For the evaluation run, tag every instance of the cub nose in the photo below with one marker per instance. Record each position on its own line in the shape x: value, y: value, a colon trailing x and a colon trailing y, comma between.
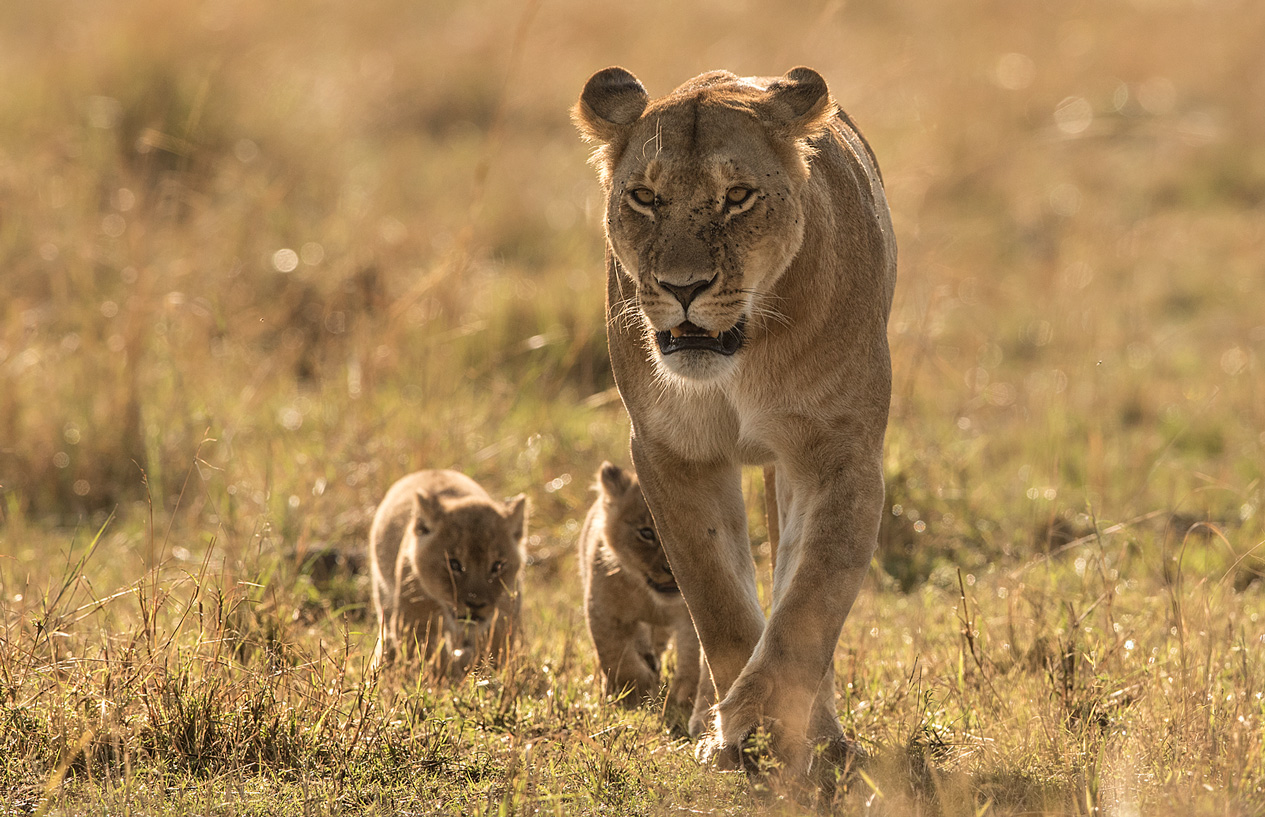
x: 686, y: 293
x: 476, y: 609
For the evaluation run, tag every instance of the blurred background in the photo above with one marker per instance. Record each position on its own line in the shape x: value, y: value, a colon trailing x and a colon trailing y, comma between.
x: 258, y: 260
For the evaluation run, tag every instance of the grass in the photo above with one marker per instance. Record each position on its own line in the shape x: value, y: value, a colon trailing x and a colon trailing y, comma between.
x: 257, y: 264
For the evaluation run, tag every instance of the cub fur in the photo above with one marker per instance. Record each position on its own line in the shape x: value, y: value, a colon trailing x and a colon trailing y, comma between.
x: 750, y: 272
x: 631, y: 598
x: 446, y: 562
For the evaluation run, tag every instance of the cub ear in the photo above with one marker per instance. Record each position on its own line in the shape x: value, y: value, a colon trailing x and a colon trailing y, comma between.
x: 516, y: 515
x: 798, y: 105
x: 613, y: 480
x: 426, y: 513
x: 612, y: 100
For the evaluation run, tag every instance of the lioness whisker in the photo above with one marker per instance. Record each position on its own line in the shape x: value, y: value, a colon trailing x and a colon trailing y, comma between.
x: 761, y: 309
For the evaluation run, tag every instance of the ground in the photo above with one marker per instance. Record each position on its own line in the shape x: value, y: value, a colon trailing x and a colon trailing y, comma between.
x: 259, y: 262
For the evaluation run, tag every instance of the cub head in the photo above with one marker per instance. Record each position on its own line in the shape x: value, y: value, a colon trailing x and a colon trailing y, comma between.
x: 630, y: 531
x: 467, y: 552
x: 704, y: 208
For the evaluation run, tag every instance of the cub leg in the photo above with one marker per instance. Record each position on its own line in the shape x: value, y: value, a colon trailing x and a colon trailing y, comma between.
x: 383, y: 557
x: 685, y: 683
x: 626, y: 652
x: 683, y: 693
x: 503, y: 631
x: 416, y: 626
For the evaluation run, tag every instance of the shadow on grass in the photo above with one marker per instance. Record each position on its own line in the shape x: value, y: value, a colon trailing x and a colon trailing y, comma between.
x: 915, y: 780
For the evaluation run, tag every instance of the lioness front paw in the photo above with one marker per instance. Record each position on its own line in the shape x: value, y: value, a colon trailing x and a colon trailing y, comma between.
x: 712, y: 750
x: 767, y: 724
x: 835, y: 763
x: 752, y: 754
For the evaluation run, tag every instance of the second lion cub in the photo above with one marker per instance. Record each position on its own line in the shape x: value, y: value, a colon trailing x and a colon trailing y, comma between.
x: 446, y: 561
x: 631, y: 599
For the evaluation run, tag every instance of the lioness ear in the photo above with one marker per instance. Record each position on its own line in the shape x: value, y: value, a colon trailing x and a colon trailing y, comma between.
x: 426, y: 513
x: 614, y: 481
x: 798, y: 105
x: 516, y: 515
x: 612, y: 100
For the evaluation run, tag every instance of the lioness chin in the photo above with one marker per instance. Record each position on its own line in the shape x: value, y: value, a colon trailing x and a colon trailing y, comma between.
x: 750, y: 271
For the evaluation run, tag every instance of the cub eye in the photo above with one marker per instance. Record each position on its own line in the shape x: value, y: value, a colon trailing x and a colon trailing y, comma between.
x: 497, y: 567
x: 646, y: 533
x: 738, y: 196
x: 643, y: 196
x: 455, y: 566
x: 421, y: 528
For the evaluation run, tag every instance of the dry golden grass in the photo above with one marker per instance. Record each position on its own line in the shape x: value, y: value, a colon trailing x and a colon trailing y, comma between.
x: 257, y: 261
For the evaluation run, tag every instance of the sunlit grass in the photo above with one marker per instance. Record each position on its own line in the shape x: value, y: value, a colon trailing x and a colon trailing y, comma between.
x: 257, y: 263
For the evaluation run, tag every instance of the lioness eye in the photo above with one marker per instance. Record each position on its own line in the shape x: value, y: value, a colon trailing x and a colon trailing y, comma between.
x: 497, y: 567
x: 643, y: 196
x: 737, y: 196
x: 455, y: 566
x: 646, y: 533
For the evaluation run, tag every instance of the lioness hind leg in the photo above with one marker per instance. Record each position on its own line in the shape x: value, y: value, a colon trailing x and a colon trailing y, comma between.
x: 835, y: 759
x: 686, y: 680
x: 704, y: 700
x: 772, y: 518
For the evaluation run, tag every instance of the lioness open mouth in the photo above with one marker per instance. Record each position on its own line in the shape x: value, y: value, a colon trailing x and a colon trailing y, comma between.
x: 688, y: 336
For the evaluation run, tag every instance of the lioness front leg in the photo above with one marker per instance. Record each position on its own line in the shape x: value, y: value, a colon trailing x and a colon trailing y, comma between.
x: 702, y: 523
x: 829, y: 530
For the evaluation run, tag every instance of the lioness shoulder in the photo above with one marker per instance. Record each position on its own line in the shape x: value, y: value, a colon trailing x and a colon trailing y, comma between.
x: 446, y: 562
x: 631, y: 599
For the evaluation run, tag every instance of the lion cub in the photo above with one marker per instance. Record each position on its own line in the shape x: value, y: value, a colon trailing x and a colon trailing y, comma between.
x: 446, y: 561
x: 631, y: 599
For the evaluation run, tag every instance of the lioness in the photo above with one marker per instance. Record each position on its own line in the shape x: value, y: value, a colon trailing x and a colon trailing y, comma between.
x: 631, y: 598
x: 446, y: 561
x: 750, y: 270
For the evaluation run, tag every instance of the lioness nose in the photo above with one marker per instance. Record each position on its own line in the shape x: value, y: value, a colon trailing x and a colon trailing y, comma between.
x: 686, y: 293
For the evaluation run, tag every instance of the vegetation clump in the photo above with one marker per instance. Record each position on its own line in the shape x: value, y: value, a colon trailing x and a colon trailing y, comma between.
x: 257, y: 263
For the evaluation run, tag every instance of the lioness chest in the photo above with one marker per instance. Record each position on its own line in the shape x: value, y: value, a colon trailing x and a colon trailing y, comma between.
x: 719, y: 425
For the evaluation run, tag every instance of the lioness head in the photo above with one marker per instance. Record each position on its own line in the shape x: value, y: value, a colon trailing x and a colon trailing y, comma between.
x: 630, y: 531
x: 468, y: 552
x: 704, y: 205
